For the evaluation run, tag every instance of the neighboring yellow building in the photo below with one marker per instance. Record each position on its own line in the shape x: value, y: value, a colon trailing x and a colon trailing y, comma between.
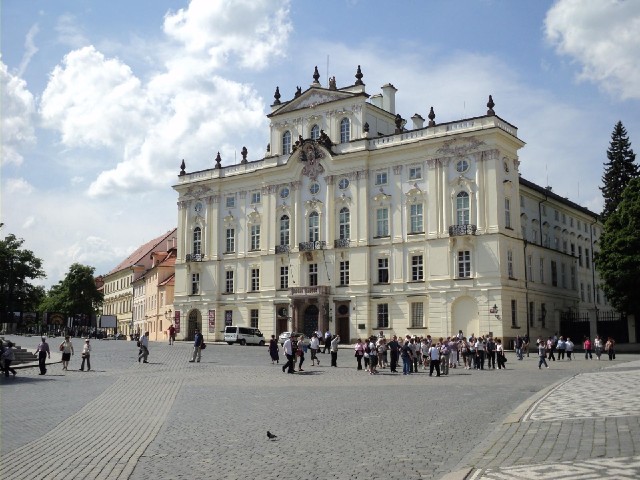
x: 362, y: 224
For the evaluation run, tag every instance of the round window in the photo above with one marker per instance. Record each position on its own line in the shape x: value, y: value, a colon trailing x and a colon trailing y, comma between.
x: 343, y: 183
x: 462, y: 166
x: 314, y: 188
x: 284, y: 193
x: 343, y: 309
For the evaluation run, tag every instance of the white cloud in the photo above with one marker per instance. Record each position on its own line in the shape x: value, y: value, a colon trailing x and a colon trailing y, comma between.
x: 69, y: 33
x: 30, y: 49
x: 18, y: 187
x: 18, y: 111
x: 602, y: 36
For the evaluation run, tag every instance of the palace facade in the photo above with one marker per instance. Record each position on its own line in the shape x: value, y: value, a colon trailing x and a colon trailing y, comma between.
x: 356, y: 222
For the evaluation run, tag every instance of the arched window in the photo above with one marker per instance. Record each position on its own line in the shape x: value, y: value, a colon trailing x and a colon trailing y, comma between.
x: 345, y: 130
x: 197, y: 241
x: 284, y: 230
x: 345, y: 220
x: 314, y: 227
x: 286, y: 142
x: 315, y: 132
x: 462, y: 208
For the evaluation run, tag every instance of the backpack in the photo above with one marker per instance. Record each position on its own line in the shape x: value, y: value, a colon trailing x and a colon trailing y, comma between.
x: 444, y: 350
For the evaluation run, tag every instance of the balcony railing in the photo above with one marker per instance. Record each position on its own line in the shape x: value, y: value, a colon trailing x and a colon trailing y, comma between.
x: 309, y: 291
x: 317, y: 245
x: 283, y: 248
x: 455, y: 230
x: 193, y: 257
x: 341, y: 243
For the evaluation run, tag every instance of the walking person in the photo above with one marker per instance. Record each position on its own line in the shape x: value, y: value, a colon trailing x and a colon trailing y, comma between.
x: 549, y: 348
x: 43, y: 353
x: 144, y: 348
x: 172, y: 334
x: 198, y: 340
x: 609, y: 347
x: 287, y: 348
x: 568, y: 346
x: 542, y: 354
x: 359, y: 353
x: 561, y: 347
x: 519, y: 345
x: 66, y: 347
x: 597, y: 344
x: 327, y: 341
x: 334, y: 350
x: 300, y: 353
x: 314, y: 346
x: 587, y: 349
x: 500, y: 355
x: 434, y: 361
x: 491, y: 353
x: 406, y: 353
x: 373, y: 356
x: 273, y: 350
x: 86, y: 355
x: 8, y: 356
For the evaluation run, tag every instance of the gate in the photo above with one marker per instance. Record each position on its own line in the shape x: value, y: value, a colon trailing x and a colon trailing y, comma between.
x: 192, y: 325
x: 614, y: 325
x: 310, y: 325
x: 575, y: 325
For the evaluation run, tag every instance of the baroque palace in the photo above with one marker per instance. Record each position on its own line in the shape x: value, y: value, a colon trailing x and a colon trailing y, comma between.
x: 355, y: 222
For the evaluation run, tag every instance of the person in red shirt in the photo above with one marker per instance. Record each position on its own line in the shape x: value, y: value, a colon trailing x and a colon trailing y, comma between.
x: 587, y: 348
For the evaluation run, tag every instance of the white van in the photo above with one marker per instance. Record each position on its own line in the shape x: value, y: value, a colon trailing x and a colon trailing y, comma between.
x: 243, y: 335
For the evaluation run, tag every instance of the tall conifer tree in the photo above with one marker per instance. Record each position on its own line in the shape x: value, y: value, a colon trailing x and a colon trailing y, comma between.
x: 618, y: 171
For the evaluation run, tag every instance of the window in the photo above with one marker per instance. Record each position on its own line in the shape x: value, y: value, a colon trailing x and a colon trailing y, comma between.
x: 589, y: 292
x: 284, y: 230
x: 286, y: 142
x: 383, y: 270
x: 573, y: 278
x: 254, y: 318
x: 582, y: 291
x: 580, y: 255
x: 255, y: 279
x: 462, y: 208
x: 231, y: 240
x: 542, y: 270
x: 564, y: 218
x: 464, y: 264
x: 530, y: 268
x: 381, y: 178
x: 284, y: 192
x: 544, y: 210
x: 587, y: 258
x: 314, y: 227
x: 554, y: 273
x: 344, y: 227
x: 564, y: 246
x: 229, y: 282
x: 417, y: 268
x: 573, y: 249
x: 255, y: 237
x: 522, y: 204
x: 382, y: 222
x: 284, y: 278
x: 510, y: 263
x: 415, y: 173
x: 230, y: 202
x: 417, y: 314
x: 415, y: 222
x: 534, y: 236
x: 532, y: 313
x: 314, y: 188
x: 563, y: 275
x: 343, y: 183
x: 571, y: 221
x: 313, y: 274
x: 507, y: 213
x: 228, y: 318
x: 345, y: 130
x: 598, y: 294
x: 514, y: 313
x: 195, y: 283
x: 315, y: 132
x: 383, y: 315
x: 579, y: 225
x: 556, y: 215
x: 462, y: 166
x: 197, y: 241
x: 344, y: 273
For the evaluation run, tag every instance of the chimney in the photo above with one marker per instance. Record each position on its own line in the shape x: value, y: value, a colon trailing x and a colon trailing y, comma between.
x: 389, y: 98
x: 418, y: 121
x: 376, y: 100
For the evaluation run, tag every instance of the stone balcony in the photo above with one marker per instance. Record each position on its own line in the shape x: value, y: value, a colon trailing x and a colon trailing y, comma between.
x: 316, y: 291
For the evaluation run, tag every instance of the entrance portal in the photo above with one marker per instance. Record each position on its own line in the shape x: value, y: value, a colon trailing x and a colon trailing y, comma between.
x: 310, y: 324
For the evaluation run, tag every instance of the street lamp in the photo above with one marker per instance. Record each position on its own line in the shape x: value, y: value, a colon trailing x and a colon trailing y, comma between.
x: 493, y: 311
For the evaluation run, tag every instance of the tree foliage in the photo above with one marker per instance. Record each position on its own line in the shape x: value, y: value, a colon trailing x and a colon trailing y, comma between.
x: 18, y: 267
x: 619, y: 259
x: 76, y: 294
x: 618, y: 171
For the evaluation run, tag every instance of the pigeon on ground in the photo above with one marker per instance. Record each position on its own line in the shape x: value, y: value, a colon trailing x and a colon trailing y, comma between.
x: 271, y: 436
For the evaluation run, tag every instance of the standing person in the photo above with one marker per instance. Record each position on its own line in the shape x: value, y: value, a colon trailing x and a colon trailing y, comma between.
x: 491, y: 353
x: 525, y: 346
x: 197, y: 347
x: 597, y: 343
x: 609, y: 347
x: 406, y: 358
x: 333, y: 345
x: 287, y: 348
x: 86, y: 355
x: 382, y: 353
x: 568, y: 346
x: 394, y: 349
x: 8, y: 356
x: 519, y: 344
x: 373, y: 356
x: 144, y: 348
x: 480, y: 346
x: 66, y: 347
x: 434, y: 363
x: 542, y: 353
x: 273, y: 350
x: 424, y: 352
x: 549, y: 348
x: 43, y: 353
x: 327, y: 341
x: 561, y: 346
x: 500, y: 355
x: 415, y: 347
x: 314, y: 346
x: 445, y: 355
x: 587, y: 349
x: 172, y: 334
x: 359, y: 353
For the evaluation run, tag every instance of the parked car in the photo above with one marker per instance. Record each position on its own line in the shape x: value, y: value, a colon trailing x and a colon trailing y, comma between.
x: 243, y: 335
x: 284, y: 335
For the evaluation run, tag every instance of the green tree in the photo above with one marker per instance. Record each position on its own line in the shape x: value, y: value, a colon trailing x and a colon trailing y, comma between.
x: 18, y: 267
x: 76, y: 294
x: 619, y: 259
x: 618, y: 170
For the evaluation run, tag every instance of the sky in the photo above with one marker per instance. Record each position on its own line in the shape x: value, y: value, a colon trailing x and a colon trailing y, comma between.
x: 101, y: 101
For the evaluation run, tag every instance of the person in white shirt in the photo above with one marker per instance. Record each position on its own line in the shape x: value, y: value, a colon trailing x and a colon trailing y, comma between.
x: 334, y: 350
x: 86, y: 355
x: 144, y: 348
x: 568, y: 345
x: 373, y: 356
x: 287, y: 348
x: 327, y: 341
x: 434, y: 354
x: 314, y: 346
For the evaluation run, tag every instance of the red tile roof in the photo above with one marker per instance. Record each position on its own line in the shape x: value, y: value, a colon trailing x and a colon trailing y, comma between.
x: 143, y: 251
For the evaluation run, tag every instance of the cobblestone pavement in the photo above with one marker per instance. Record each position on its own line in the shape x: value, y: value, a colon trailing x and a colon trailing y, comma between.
x: 171, y: 419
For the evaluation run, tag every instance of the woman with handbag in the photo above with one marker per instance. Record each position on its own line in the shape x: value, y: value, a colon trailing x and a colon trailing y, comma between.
x: 66, y: 347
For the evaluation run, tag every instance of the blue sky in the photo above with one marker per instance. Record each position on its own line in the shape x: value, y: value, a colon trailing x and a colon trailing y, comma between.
x: 102, y: 100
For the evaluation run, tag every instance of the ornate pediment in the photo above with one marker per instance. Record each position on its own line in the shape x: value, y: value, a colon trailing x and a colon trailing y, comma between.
x: 312, y: 98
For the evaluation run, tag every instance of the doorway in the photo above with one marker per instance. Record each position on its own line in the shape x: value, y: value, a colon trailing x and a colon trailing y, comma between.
x: 310, y: 322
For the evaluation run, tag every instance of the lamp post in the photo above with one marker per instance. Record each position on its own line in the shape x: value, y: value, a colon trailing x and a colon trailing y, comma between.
x: 493, y: 311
